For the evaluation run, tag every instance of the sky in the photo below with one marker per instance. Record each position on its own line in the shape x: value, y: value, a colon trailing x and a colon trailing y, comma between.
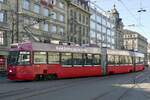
x: 128, y: 9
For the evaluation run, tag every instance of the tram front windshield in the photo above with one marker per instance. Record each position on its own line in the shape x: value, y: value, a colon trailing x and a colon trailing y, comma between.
x: 19, y: 58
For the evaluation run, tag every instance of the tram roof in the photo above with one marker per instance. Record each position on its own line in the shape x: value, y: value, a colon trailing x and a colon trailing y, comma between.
x: 64, y: 48
x: 37, y: 46
x: 124, y: 52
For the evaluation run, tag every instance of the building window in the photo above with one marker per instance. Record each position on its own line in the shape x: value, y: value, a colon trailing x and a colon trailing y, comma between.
x: 92, y: 25
x: 83, y: 20
x: 61, y: 5
x: 61, y: 18
x: 1, y: 16
x: 92, y: 34
x: 87, y: 20
x: 2, y: 1
x: 79, y: 17
x: 54, y: 15
x: 26, y: 20
x: 36, y: 8
x: 53, y: 29
x: 1, y: 37
x: 104, y: 29
x: 99, y: 19
x: 45, y: 12
x: 26, y: 4
x: 93, y: 16
x: 61, y: 30
x: 99, y: 27
x: 103, y: 21
x: 45, y: 27
x: 36, y: 26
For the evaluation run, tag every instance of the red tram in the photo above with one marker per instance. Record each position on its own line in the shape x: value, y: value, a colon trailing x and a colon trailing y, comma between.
x: 37, y: 61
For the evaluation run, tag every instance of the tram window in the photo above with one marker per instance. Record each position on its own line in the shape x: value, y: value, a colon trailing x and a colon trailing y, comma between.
x: 40, y: 58
x: 116, y: 59
x: 53, y: 58
x: 66, y: 59
x: 126, y: 60
x: 77, y: 59
x: 88, y: 59
x: 122, y: 59
x: 129, y: 60
x: 24, y: 58
x: 137, y: 60
x: 96, y: 60
x: 111, y: 59
x: 141, y: 60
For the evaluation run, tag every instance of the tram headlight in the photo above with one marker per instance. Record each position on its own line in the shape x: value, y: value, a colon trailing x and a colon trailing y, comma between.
x: 10, y: 71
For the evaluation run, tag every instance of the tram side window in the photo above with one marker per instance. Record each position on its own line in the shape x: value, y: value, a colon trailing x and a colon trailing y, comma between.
x: 111, y: 59
x: 88, y: 59
x: 66, y: 59
x: 137, y: 60
x: 53, y: 58
x: 129, y: 60
x: 116, y: 59
x: 77, y: 59
x: 40, y: 58
x: 122, y: 60
x: 126, y: 60
x: 96, y: 60
x: 141, y: 60
x: 24, y: 58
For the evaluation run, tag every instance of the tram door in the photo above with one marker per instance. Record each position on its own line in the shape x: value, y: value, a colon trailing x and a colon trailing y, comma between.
x: 104, y: 60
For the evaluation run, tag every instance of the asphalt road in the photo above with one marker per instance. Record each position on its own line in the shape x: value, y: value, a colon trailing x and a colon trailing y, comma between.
x: 132, y: 86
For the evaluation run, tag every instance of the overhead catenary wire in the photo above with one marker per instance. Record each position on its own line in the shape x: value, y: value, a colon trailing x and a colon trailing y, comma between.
x: 146, y: 34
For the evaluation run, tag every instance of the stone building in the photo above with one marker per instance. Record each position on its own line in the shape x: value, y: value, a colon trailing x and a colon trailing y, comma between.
x: 38, y: 20
x: 118, y: 28
x: 134, y: 41
x: 148, y: 54
x: 4, y: 33
x: 31, y: 20
x: 78, y: 22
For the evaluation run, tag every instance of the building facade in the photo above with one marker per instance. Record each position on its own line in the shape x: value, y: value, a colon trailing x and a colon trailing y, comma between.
x: 78, y: 22
x: 135, y: 41
x: 4, y: 33
x: 31, y: 20
x: 118, y: 28
x: 101, y: 29
x: 148, y: 54
x: 38, y: 20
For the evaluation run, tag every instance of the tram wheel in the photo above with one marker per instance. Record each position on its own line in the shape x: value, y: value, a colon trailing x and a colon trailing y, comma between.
x: 52, y: 76
x: 39, y: 77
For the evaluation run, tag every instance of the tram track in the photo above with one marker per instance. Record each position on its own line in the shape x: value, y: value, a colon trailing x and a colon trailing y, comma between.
x: 53, y: 88
x: 124, y: 93
x: 50, y: 88
x: 60, y: 88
